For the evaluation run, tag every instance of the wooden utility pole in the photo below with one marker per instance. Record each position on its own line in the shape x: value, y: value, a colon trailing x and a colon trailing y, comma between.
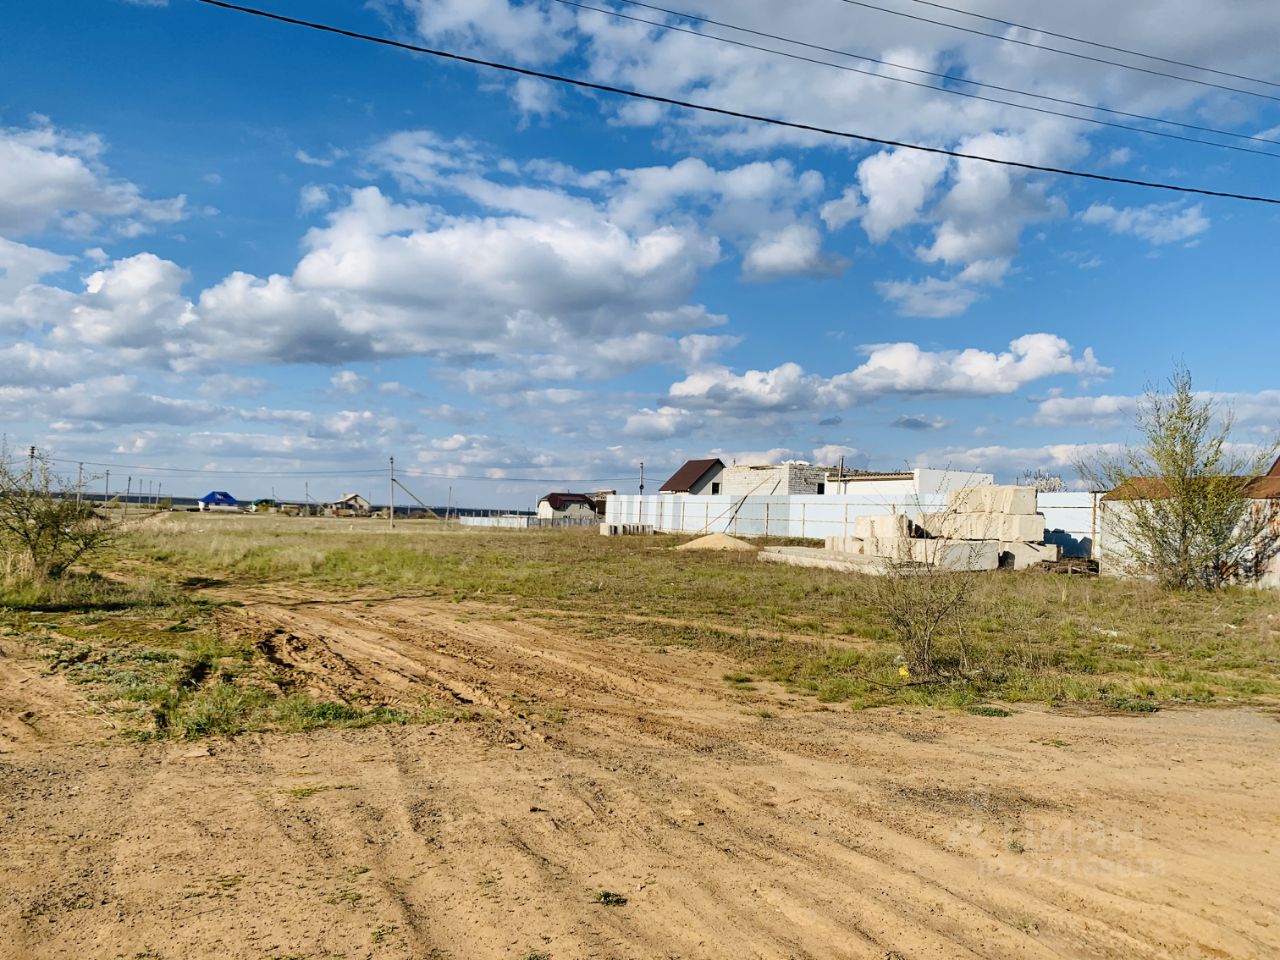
x: 128, y: 491
x: 391, y: 497
x: 79, y: 481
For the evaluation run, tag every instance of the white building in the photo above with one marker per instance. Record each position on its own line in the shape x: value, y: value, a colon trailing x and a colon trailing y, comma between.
x: 793, y: 477
x: 920, y: 482
x: 567, y: 506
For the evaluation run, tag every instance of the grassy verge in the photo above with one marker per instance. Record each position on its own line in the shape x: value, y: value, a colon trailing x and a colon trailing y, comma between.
x: 1031, y: 637
x: 151, y: 657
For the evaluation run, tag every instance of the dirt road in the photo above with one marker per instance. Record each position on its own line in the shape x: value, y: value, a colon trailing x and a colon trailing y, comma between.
x: 737, y: 823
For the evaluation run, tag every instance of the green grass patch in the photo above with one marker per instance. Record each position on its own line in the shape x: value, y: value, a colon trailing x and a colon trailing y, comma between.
x: 161, y: 669
x: 982, y: 710
x: 1030, y: 637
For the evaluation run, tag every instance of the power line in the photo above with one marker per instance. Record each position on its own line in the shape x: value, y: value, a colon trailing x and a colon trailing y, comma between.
x: 356, y: 473
x: 725, y: 112
x: 1095, y: 43
x: 1065, y: 53
x: 930, y: 73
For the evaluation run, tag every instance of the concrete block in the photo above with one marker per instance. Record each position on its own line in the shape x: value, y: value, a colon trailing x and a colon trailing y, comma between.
x: 984, y: 526
x: 821, y: 559
x: 993, y: 499
x: 889, y: 525
x: 942, y: 554
x: 961, y: 526
x: 1027, y: 527
x: 849, y: 545
x: 956, y: 554
x: 1020, y: 556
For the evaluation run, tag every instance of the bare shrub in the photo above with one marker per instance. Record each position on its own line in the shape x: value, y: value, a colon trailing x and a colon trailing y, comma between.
x: 44, y: 529
x: 924, y: 590
x: 921, y: 604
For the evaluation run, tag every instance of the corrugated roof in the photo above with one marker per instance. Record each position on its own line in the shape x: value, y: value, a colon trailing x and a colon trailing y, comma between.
x: 684, y: 479
x: 217, y: 496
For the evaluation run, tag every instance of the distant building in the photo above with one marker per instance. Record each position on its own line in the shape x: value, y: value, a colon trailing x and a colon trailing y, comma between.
x: 351, y: 505
x: 695, y: 477
x: 218, y: 500
x: 1261, y: 566
x: 793, y: 478
x: 569, y: 506
x: 920, y: 482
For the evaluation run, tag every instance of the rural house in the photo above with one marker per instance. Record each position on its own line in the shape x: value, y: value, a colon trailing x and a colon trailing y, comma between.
x: 1262, y: 568
x: 713, y: 478
x: 696, y: 477
x: 792, y: 478
x: 218, y: 500
x: 568, y: 506
x: 351, y: 505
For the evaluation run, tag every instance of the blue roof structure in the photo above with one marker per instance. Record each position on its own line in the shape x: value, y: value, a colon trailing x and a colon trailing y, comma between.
x: 219, y: 498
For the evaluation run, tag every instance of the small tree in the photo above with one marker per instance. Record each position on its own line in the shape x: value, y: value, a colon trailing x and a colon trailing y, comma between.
x: 1179, y: 509
x: 44, y: 529
x: 1043, y: 482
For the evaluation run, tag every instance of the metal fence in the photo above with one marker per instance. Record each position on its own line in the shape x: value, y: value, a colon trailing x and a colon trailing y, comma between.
x: 527, y: 523
x: 1070, y: 518
x: 815, y: 516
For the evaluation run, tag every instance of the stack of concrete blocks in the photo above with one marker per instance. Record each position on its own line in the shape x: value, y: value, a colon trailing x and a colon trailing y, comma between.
x: 980, y: 527
x: 1005, y: 515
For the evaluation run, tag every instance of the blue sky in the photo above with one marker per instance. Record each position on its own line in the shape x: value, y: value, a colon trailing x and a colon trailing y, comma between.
x: 232, y: 246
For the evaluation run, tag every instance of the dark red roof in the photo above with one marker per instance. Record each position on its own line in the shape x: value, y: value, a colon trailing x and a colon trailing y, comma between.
x: 1275, y: 469
x: 684, y: 479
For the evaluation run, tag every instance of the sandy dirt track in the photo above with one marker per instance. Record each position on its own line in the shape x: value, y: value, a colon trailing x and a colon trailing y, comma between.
x: 614, y: 765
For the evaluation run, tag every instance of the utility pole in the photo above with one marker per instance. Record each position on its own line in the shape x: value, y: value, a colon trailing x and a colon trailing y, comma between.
x: 31, y: 468
x: 159, y: 493
x: 106, y: 488
x: 128, y: 491
x: 449, y: 507
x: 391, y: 497
x: 79, y: 481
x: 642, y: 478
x: 306, y: 493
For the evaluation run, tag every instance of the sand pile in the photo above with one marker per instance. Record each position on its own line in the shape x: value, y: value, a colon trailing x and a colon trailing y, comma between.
x: 717, y: 541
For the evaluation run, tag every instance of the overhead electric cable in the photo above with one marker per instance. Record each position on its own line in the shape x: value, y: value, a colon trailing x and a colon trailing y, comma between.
x: 1059, y: 50
x: 1097, y: 43
x: 370, y: 472
x: 928, y: 73
x: 927, y: 86
x: 735, y: 114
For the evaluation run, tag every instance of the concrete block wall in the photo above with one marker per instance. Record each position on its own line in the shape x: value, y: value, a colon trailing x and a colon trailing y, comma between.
x: 776, y: 480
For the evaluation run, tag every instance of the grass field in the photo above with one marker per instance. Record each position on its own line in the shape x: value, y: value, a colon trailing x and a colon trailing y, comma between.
x: 147, y: 643
x: 1029, y: 636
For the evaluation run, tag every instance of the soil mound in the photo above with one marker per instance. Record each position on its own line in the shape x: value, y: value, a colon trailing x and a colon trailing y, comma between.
x: 717, y: 541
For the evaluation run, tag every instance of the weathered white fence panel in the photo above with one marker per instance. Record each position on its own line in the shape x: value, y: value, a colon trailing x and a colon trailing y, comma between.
x: 813, y: 516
